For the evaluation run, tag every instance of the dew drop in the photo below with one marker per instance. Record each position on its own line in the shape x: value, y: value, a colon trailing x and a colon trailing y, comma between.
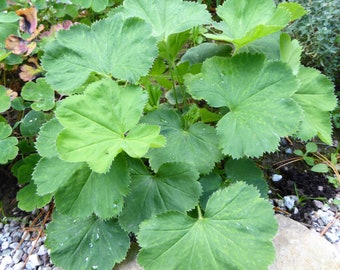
x: 30, y: 121
x: 90, y: 245
x: 222, y: 81
x: 94, y: 266
x: 86, y: 259
x: 61, y: 244
x: 97, y: 236
x: 201, y: 79
x: 114, y: 205
x: 74, y: 221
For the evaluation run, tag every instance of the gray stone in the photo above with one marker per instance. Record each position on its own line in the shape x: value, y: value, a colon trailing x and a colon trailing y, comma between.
x: 5, y: 245
x: 276, y: 177
x: 35, y: 260
x: 331, y: 237
x: 13, y: 245
x: 318, y: 204
x: 19, y: 266
x: 17, y: 256
x: 6, y: 260
x: 42, y: 250
x: 298, y: 248
x: 290, y: 201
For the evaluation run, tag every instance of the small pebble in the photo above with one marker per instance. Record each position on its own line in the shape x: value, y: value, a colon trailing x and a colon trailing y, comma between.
x: 4, y: 245
x: 17, y: 256
x: 318, y: 204
x: 289, y: 201
x: 34, y: 260
x: 276, y: 177
x: 19, y: 266
x: 331, y: 237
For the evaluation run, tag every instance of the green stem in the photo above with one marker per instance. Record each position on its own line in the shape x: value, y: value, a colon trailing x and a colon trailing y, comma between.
x: 199, y: 212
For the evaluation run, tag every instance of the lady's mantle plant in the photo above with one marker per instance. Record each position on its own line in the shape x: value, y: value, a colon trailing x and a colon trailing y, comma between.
x: 157, y: 141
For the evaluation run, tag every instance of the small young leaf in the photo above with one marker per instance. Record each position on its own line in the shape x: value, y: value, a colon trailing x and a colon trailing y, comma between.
x: 299, y: 153
x: 236, y: 223
x: 8, y: 147
x: 311, y: 147
x: 173, y: 187
x: 109, y: 47
x: 247, y: 84
x: 41, y: 93
x: 168, y: 16
x: 197, y: 145
x: 245, y: 21
x: 90, y: 243
x: 103, y: 122
x: 316, y: 97
x: 320, y: 168
x: 29, y: 200
x: 32, y: 122
x: 309, y: 160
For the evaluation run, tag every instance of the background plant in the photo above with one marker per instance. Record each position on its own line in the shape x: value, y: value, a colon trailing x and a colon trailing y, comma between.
x: 139, y: 126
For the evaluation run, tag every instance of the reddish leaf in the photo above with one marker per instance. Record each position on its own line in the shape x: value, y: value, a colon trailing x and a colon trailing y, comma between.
x: 28, y: 23
x: 19, y: 46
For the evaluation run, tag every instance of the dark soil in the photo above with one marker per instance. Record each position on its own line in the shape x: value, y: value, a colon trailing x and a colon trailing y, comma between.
x: 8, y: 190
x: 307, y: 186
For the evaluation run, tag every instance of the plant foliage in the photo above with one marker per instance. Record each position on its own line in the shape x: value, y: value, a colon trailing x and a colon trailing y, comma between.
x: 143, y: 117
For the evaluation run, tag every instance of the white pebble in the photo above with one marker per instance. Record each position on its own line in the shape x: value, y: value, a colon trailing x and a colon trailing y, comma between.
x: 290, y: 201
x: 6, y: 260
x: 331, y: 237
x: 42, y: 250
x: 17, y: 256
x: 19, y: 266
x: 276, y: 177
x: 35, y: 260
x: 5, y: 245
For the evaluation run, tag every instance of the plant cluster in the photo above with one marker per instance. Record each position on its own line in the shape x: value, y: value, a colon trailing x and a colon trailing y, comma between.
x: 144, y: 119
x: 318, y: 33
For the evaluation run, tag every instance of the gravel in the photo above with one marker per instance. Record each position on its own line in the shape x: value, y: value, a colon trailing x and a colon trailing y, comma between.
x: 16, y: 243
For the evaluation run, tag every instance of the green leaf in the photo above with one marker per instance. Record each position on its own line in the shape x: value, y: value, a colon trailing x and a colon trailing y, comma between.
x: 168, y: 49
x: 96, y: 5
x: 290, y: 52
x: 41, y: 93
x: 46, y: 141
x: 32, y: 122
x: 246, y: 170
x: 23, y: 168
x: 90, y: 243
x: 109, y: 47
x: 311, y: 147
x: 210, y: 183
x: 87, y: 192
x: 235, y: 225
x: 103, y: 122
x: 316, y: 97
x: 29, y: 200
x: 8, y: 147
x: 5, y: 100
x: 197, y: 144
x: 258, y: 94
x: 167, y: 16
x: 198, y: 54
x: 245, y: 21
x: 52, y: 173
x: 295, y: 9
x: 320, y: 168
x: 173, y: 187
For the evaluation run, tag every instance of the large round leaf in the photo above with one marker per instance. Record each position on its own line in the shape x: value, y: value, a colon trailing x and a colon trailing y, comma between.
x: 102, y: 123
x: 316, y: 97
x: 173, y: 187
x: 122, y: 48
x: 167, y: 16
x: 258, y: 94
x: 235, y: 233
x: 90, y: 243
x: 197, y: 145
